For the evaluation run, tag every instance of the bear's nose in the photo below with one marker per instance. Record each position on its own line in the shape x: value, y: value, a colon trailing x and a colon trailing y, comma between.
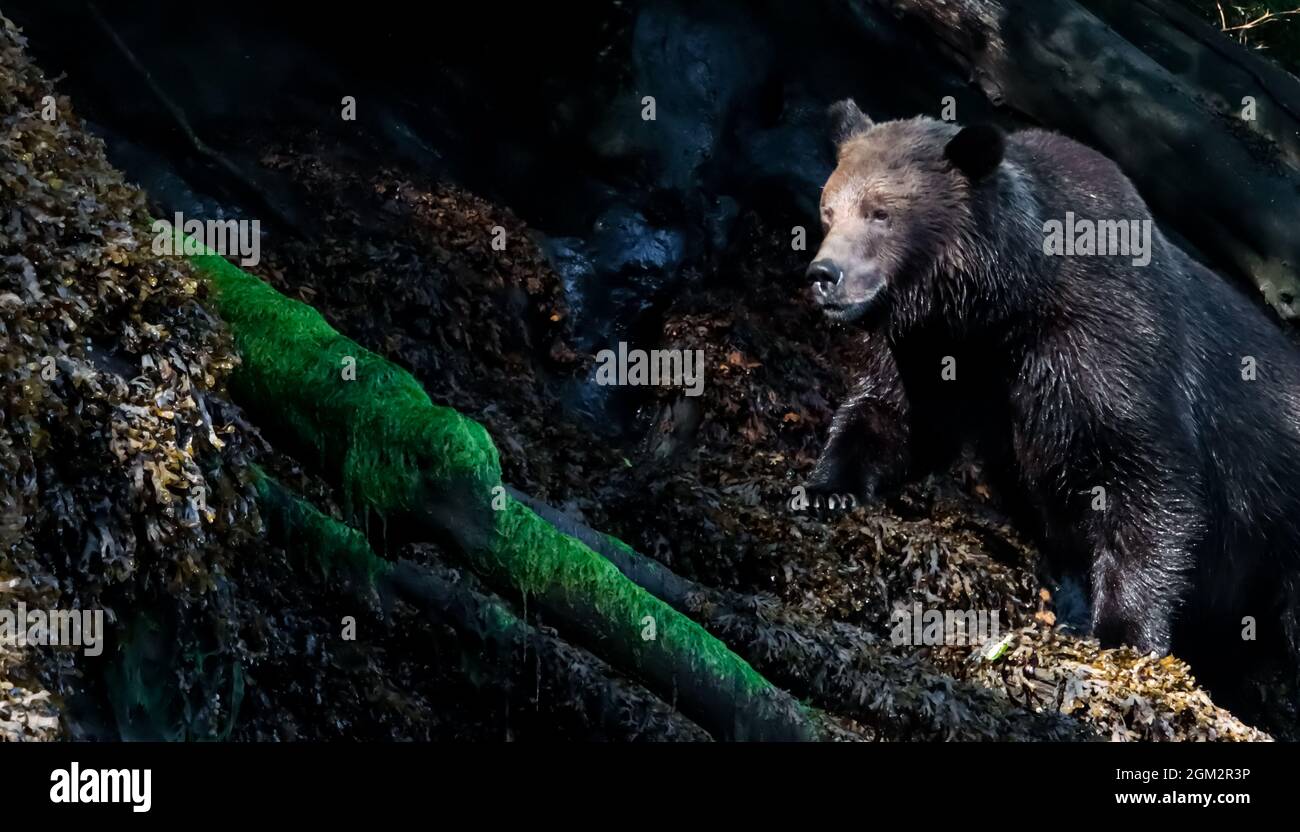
x: 824, y: 271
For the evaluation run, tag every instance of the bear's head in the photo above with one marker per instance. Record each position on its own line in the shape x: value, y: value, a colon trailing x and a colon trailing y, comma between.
x: 896, y: 207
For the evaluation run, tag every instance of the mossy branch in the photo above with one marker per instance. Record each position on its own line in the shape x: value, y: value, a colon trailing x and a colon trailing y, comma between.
x: 486, y: 626
x: 372, y: 428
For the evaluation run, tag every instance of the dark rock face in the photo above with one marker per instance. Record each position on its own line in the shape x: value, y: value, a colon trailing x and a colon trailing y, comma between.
x: 701, y: 68
x: 616, y: 273
x: 793, y: 154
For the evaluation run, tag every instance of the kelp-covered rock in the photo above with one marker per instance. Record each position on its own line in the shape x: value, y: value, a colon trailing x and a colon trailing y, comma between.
x: 27, y: 710
x: 114, y: 458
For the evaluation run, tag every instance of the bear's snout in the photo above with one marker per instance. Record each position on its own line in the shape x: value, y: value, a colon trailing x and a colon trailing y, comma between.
x: 826, y: 277
x: 840, y: 298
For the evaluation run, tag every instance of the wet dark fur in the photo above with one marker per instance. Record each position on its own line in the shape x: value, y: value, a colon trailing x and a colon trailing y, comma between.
x: 1090, y: 371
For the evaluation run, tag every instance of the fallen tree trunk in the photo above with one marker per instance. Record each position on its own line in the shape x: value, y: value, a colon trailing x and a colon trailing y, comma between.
x: 493, y: 634
x: 373, y: 429
x: 1060, y: 65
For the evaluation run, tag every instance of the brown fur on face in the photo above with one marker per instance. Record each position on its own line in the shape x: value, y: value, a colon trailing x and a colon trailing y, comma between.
x: 891, y: 211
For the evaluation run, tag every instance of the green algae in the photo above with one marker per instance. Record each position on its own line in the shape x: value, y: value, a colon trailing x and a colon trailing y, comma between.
x: 299, y: 526
x: 366, y: 420
x: 544, y: 562
x: 372, y: 426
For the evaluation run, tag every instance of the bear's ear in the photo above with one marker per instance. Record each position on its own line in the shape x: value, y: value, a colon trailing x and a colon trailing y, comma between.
x: 846, y: 121
x: 976, y: 151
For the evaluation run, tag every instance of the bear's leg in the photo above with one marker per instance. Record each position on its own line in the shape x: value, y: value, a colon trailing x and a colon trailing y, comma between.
x: 868, y: 445
x: 1141, y: 558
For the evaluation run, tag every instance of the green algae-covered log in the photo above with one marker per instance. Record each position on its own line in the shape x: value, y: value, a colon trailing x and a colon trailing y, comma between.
x: 371, y: 427
x: 491, y: 634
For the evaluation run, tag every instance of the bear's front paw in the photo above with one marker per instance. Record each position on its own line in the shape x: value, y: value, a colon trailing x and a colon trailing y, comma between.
x: 858, y: 481
x: 822, y: 499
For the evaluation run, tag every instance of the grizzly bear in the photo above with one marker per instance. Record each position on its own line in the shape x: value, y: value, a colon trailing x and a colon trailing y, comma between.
x: 1148, y: 409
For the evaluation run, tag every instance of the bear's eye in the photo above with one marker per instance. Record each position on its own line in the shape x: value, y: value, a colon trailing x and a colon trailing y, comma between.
x: 880, y: 215
x: 827, y: 216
